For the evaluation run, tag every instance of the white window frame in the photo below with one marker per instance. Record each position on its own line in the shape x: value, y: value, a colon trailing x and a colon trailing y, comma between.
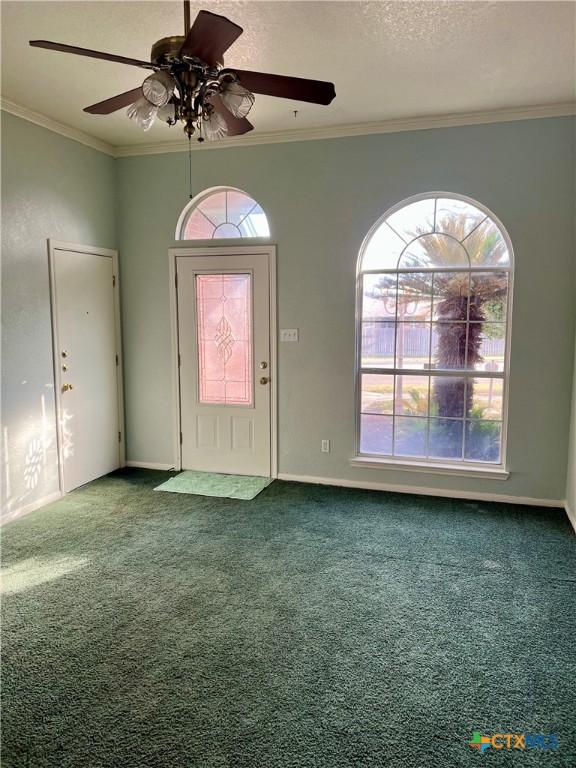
x: 486, y: 470
x: 191, y: 206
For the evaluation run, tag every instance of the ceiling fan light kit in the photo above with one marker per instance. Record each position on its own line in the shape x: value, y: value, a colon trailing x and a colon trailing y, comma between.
x: 143, y: 112
x: 236, y: 98
x: 190, y: 85
x: 159, y: 88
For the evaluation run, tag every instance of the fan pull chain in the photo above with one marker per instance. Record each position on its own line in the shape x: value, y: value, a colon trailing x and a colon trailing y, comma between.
x: 190, y: 166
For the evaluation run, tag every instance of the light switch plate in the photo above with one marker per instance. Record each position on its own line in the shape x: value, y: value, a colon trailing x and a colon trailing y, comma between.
x: 289, y: 334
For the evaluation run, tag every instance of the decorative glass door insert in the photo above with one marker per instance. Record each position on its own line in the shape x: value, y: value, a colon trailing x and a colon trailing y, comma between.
x: 225, y: 343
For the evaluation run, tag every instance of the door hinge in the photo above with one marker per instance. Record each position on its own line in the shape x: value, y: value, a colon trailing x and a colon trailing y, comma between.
x: 113, y: 281
x: 116, y: 359
x: 180, y: 438
x: 119, y: 437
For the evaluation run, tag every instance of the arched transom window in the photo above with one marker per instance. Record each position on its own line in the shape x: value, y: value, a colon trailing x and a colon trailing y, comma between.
x: 434, y: 289
x: 222, y: 212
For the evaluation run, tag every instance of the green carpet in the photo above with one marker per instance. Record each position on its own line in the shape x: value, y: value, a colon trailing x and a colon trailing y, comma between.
x: 313, y: 627
x: 245, y: 487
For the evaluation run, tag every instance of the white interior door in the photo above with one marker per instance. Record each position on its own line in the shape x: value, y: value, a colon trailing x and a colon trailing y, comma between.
x: 86, y: 364
x: 223, y: 311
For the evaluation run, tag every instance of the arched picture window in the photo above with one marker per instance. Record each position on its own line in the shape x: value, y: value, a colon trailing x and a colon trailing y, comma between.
x: 222, y: 212
x: 434, y: 293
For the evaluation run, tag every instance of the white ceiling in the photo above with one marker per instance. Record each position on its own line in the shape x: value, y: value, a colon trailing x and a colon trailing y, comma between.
x: 388, y: 60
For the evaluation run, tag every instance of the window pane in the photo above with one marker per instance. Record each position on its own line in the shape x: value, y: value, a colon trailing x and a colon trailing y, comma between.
x: 488, y: 296
x: 485, y: 398
x: 413, y: 345
x: 414, y: 295
x: 379, y: 297
x: 486, y: 345
x: 238, y: 206
x: 486, y: 245
x: 413, y: 220
x: 432, y: 324
x: 411, y: 395
x: 224, y: 328
x: 434, y: 251
x: 447, y: 396
x: 383, y: 249
x: 378, y: 344
x: 255, y: 224
x: 225, y: 213
x: 482, y: 440
x: 451, y: 290
x: 198, y: 227
x: 410, y: 436
x: 226, y: 230
x: 376, y: 434
x: 456, y: 217
x: 214, y: 207
x: 445, y: 440
x: 449, y: 345
x: 377, y: 393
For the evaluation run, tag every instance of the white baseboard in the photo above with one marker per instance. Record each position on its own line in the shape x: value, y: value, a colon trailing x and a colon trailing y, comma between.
x: 149, y: 465
x: 571, y: 515
x: 32, y: 507
x: 421, y: 491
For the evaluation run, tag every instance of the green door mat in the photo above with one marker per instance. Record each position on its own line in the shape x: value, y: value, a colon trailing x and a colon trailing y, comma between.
x: 214, y: 484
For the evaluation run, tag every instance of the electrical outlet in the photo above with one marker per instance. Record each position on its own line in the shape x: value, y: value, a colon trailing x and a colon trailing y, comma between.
x: 325, y: 446
x: 289, y: 334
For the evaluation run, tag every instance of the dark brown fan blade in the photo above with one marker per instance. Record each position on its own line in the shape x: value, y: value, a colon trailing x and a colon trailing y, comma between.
x: 210, y: 37
x: 115, y: 103
x: 92, y: 54
x: 298, y: 88
x: 236, y: 125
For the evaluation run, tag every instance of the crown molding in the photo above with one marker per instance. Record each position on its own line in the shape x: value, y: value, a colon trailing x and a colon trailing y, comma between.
x: 359, y: 129
x: 53, y: 125
x: 397, y: 125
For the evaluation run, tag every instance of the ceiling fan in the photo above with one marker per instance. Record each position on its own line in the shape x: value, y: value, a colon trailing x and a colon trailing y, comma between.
x: 189, y: 83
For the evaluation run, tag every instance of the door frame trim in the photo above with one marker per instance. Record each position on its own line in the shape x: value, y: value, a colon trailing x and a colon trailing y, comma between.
x: 231, y: 250
x: 59, y: 245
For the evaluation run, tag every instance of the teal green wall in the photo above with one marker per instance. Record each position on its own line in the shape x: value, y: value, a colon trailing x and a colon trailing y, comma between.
x: 571, y: 469
x: 321, y: 198
x: 52, y: 187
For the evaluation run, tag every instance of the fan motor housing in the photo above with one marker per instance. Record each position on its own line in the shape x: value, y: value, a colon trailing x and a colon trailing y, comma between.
x: 167, y: 49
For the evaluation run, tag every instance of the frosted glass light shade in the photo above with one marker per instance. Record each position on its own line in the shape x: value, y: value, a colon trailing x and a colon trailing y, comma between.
x: 167, y: 114
x: 214, y: 127
x: 159, y: 88
x: 143, y: 113
x: 237, y: 99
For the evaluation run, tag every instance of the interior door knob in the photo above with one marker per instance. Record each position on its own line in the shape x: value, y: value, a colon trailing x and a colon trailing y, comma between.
x: 264, y: 380
x: 66, y: 387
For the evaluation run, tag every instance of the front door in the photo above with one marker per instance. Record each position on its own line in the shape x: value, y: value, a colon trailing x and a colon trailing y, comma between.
x: 224, y: 363
x: 86, y: 364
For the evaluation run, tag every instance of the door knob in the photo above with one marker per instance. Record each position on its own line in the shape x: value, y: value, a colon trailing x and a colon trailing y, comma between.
x: 66, y: 387
x: 264, y: 380
x: 263, y: 365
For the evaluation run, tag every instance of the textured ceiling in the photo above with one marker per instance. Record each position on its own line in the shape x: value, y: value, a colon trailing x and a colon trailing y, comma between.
x: 387, y: 59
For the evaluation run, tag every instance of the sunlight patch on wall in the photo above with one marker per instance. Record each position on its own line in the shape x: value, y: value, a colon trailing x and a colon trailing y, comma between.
x: 29, y: 459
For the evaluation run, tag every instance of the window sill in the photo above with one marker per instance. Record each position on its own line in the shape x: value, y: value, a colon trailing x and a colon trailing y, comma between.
x: 495, y: 472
